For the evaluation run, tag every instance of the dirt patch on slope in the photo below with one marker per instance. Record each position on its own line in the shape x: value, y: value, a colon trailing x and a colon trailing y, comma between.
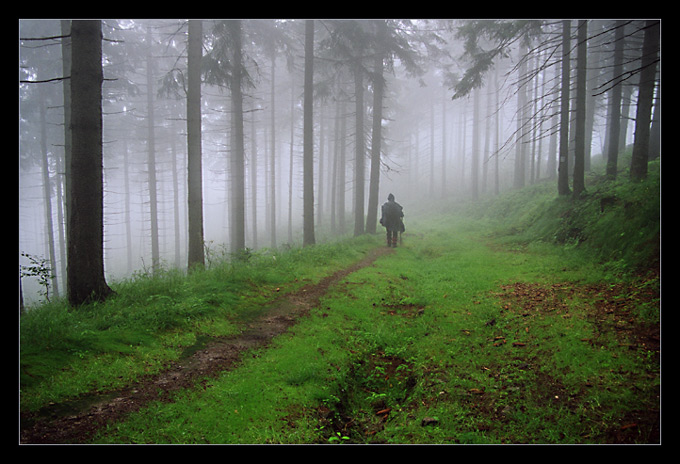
x: 86, y: 416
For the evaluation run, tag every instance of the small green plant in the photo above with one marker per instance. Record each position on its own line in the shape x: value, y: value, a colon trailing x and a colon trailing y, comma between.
x: 243, y: 256
x: 39, y: 268
x: 337, y: 438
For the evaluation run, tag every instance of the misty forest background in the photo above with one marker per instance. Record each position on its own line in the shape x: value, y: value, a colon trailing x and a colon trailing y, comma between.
x: 292, y: 150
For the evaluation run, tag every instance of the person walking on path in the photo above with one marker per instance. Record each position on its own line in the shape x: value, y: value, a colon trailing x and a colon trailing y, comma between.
x: 392, y: 214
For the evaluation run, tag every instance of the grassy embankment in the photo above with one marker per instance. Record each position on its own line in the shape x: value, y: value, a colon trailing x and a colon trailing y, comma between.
x: 523, y: 319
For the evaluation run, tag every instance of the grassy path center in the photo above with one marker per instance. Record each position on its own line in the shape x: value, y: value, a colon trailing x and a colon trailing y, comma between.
x: 452, y: 338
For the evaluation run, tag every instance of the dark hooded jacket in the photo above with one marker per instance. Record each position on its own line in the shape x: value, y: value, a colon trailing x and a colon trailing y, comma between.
x: 392, y: 212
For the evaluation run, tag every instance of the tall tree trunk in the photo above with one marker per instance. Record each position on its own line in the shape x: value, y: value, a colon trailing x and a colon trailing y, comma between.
x: 272, y: 159
x: 322, y: 160
x: 126, y: 201
x: 552, y: 146
x: 86, y: 281
x: 535, y: 137
x: 475, y: 145
x: 443, y: 168
x: 541, y: 115
x: 308, y: 142
x: 414, y: 172
x: 615, y: 103
x: 625, y: 115
x: 194, y: 163
x: 341, y: 169
x: 376, y: 137
x: 267, y: 203
x: 655, y: 130
x: 359, y: 156
x: 333, y: 174
x: 563, y: 159
x: 66, y: 89
x: 650, y: 50
x: 487, y: 142
x: 292, y: 146
x: 237, y: 164
x: 60, y: 221
x: 253, y: 178
x: 580, y: 135
x: 151, y: 155
x: 520, y: 152
x: 175, y: 202
x: 432, y: 149
x: 463, y: 142
x: 47, y: 193
x: 497, y: 134
x: 592, y: 81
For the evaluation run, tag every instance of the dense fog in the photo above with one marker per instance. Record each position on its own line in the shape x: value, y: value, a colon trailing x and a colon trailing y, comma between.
x: 435, y: 148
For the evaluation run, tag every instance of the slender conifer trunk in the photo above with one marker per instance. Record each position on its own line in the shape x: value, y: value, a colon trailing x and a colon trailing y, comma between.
x: 308, y: 138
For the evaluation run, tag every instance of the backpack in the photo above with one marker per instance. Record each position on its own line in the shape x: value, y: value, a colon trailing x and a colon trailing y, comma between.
x: 391, y: 216
x: 392, y: 211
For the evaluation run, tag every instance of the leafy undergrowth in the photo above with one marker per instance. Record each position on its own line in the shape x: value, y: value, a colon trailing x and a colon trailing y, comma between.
x: 616, y: 222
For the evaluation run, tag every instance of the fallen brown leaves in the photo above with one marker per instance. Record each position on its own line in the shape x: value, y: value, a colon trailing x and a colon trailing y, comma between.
x: 620, y: 310
x: 527, y: 298
x: 610, y: 307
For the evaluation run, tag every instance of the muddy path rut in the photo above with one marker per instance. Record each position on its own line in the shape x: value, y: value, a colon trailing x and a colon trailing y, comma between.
x: 77, y: 421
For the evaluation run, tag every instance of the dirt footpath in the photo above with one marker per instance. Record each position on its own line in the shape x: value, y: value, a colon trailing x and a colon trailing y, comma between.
x: 218, y: 356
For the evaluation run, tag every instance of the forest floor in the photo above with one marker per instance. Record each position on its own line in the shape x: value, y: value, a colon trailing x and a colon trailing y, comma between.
x: 77, y: 421
x: 523, y: 304
x: 480, y: 328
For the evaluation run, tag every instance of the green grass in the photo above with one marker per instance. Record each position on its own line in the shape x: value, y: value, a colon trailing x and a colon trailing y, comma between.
x: 482, y: 328
x: 414, y: 335
x: 67, y: 352
x: 615, y: 222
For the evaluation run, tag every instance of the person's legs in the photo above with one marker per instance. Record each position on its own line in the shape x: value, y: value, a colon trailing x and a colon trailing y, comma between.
x: 392, y: 238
